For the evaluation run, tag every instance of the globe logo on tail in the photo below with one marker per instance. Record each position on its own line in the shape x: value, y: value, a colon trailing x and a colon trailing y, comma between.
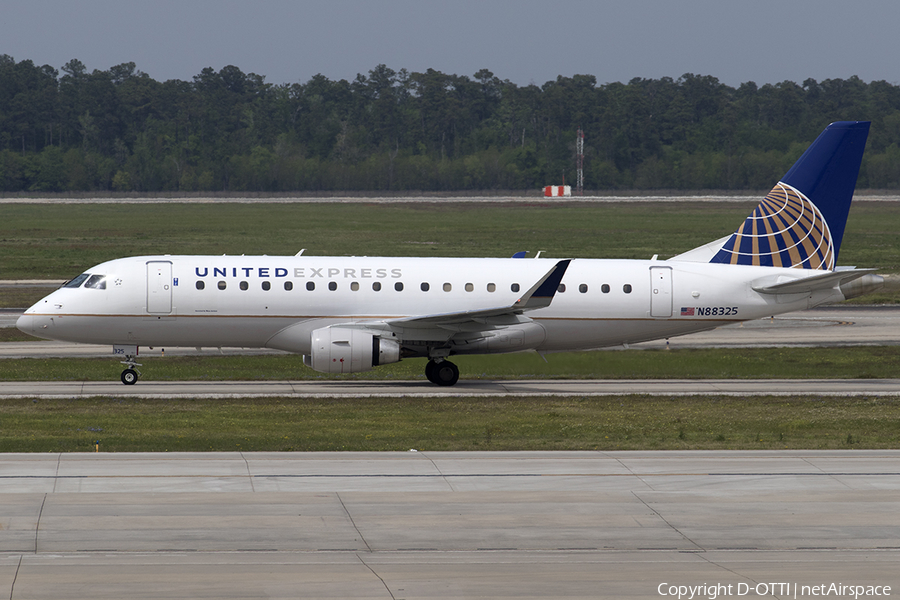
x: 785, y: 230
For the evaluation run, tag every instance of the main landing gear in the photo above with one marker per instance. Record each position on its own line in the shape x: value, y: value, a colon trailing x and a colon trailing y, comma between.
x: 130, y: 375
x: 441, y: 372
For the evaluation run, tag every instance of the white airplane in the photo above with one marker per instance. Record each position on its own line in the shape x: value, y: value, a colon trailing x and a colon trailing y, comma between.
x: 350, y: 314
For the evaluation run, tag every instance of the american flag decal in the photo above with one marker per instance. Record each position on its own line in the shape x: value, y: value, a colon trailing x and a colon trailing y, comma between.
x: 687, y: 312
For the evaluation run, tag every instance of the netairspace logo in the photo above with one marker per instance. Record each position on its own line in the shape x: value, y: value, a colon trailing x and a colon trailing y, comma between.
x: 779, y: 589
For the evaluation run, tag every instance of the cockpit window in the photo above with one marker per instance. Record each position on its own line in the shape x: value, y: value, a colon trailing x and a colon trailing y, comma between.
x: 96, y: 282
x: 77, y: 281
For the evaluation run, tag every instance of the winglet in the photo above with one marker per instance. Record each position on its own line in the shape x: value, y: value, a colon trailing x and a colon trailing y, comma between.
x: 541, y: 293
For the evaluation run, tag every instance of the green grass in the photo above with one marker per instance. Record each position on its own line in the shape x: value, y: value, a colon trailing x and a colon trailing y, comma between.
x: 865, y: 362
x: 607, y: 423
x: 22, y: 297
x: 61, y: 240
x: 11, y: 334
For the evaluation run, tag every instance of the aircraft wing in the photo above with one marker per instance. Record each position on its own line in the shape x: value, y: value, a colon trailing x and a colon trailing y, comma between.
x: 540, y: 295
x: 826, y: 280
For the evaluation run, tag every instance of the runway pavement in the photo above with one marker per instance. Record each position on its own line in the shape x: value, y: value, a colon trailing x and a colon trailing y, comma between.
x: 446, y: 525
x: 465, y: 388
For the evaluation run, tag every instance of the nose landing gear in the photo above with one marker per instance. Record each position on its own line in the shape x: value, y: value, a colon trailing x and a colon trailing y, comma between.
x: 130, y: 375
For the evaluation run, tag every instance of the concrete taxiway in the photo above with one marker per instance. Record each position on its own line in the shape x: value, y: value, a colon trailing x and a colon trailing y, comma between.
x: 445, y: 525
x: 465, y: 388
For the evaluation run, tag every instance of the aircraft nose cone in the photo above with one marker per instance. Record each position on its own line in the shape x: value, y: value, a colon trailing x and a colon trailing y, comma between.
x: 25, y: 324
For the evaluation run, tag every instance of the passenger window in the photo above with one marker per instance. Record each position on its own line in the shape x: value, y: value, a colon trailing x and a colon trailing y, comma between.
x: 447, y: 287
x: 244, y: 286
x: 266, y: 286
x: 491, y: 287
x: 514, y: 287
x: 626, y: 288
x: 354, y: 286
x: 310, y: 286
x: 222, y: 285
x: 376, y: 286
x: 561, y: 288
x: 288, y: 286
x: 470, y: 287
x: 604, y: 288
x: 96, y: 282
x: 583, y: 288
x: 200, y: 285
x: 425, y: 287
x: 398, y: 286
x: 332, y: 285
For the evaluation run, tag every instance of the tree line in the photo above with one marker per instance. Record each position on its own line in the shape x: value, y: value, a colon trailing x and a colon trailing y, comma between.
x: 120, y: 130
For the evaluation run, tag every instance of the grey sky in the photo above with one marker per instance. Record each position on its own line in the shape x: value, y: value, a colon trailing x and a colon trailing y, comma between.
x: 525, y: 41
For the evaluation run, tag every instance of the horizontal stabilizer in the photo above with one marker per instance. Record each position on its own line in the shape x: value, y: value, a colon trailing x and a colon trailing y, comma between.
x: 771, y: 285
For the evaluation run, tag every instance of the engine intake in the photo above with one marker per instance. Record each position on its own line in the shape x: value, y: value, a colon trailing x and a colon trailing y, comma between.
x: 342, y: 350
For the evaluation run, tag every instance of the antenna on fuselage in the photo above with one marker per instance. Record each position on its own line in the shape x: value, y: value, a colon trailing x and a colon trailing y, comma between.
x: 301, y: 252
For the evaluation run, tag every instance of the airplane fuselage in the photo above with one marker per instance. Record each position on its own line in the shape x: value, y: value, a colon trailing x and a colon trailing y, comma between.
x: 251, y: 301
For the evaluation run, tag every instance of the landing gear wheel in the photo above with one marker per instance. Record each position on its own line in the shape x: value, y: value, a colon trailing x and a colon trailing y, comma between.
x: 429, y: 371
x: 129, y: 376
x: 442, y: 373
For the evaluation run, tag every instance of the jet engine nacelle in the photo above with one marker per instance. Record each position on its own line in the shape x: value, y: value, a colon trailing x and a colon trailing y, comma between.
x: 867, y: 284
x: 342, y: 350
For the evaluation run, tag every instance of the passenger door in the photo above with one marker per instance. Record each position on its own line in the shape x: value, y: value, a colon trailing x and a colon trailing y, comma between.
x: 660, y: 291
x: 159, y: 287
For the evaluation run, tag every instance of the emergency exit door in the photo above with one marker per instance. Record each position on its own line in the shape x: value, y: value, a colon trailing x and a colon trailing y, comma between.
x: 159, y: 287
x: 660, y: 291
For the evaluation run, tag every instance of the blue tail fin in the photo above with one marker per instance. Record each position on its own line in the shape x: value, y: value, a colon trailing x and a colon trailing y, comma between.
x: 801, y: 222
